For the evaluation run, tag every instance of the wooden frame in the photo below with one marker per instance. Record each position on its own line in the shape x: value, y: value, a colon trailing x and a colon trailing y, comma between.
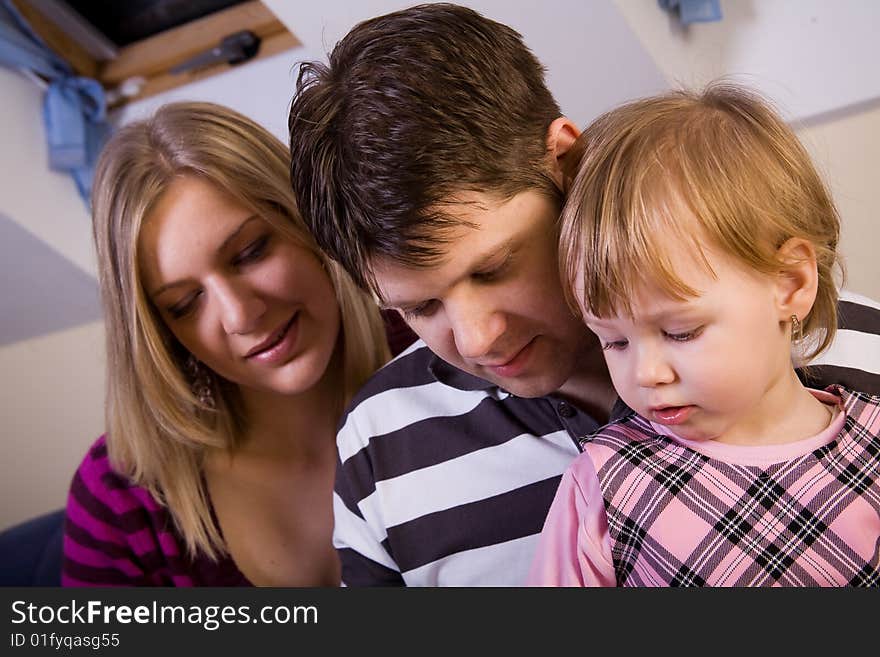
x: 151, y: 59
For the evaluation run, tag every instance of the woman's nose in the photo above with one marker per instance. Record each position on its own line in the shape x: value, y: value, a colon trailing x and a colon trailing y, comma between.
x: 240, y: 307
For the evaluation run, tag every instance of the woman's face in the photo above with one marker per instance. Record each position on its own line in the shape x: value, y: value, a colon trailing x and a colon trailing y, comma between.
x: 253, y: 306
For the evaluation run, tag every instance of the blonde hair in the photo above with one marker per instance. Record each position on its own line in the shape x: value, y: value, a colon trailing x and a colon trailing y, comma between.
x: 158, y: 431
x: 727, y: 157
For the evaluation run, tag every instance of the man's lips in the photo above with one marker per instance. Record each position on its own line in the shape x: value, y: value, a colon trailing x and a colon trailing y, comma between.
x: 273, y: 339
x: 514, y: 365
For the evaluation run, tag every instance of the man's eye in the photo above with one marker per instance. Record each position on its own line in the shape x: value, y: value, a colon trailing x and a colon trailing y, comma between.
x: 685, y: 336
x: 422, y: 310
x: 253, y: 252
x: 492, y: 274
x: 487, y: 276
x: 615, y: 345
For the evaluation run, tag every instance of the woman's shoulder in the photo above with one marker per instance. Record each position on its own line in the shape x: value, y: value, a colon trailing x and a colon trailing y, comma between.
x: 116, y: 532
x: 98, y: 481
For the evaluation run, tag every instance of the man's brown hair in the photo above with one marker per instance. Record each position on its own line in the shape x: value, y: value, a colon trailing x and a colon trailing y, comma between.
x: 413, y: 108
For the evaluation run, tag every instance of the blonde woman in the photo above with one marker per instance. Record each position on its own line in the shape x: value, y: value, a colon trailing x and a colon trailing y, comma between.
x: 233, y: 345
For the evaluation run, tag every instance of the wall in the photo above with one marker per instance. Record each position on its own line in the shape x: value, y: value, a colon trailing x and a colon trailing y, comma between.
x: 846, y: 147
x: 52, y: 388
x: 817, y: 62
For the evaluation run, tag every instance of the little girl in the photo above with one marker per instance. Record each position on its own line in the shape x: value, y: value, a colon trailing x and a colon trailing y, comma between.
x: 699, y: 244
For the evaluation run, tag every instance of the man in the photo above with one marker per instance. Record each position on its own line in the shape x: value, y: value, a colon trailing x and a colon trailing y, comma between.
x: 428, y: 158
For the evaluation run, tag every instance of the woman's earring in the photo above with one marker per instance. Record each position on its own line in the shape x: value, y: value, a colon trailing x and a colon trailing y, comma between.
x: 201, y: 382
x: 797, y: 331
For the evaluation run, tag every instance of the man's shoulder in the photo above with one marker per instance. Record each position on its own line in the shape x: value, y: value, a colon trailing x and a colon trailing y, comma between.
x: 856, y: 312
x: 853, y: 358
x: 409, y: 369
x: 414, y: 388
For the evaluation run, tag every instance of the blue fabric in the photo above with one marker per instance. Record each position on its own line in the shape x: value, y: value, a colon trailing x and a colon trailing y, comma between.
x: 694, y: 11
x: 75, y: 116
x: 31, y: 552
x: 74, y: 108
x: 20, y: 47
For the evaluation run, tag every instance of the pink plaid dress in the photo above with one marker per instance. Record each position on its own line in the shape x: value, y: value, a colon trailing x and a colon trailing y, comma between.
x: 642, y: 507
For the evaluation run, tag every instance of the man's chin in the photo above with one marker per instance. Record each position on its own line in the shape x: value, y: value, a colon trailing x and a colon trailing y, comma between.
x: 527, y: 386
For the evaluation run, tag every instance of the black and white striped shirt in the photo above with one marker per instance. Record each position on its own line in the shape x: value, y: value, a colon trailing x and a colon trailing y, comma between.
x: 444, y: 479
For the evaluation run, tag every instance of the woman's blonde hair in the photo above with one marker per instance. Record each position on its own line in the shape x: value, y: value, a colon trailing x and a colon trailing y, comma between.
x: 158, y: 430
x: 728, y: 158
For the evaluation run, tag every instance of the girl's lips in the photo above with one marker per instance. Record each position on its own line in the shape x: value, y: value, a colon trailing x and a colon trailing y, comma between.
x: 277, y: 345
x: 672, y: 415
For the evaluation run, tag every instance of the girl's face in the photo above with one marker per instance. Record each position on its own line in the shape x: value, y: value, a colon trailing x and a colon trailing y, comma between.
x: 711, y: 367
x: 253, y: 306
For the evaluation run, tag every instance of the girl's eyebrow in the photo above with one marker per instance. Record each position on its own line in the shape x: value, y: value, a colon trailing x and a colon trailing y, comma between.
x: 683, y: 308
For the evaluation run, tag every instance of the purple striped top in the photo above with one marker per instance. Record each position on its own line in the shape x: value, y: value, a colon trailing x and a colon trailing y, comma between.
x: 117, y: 534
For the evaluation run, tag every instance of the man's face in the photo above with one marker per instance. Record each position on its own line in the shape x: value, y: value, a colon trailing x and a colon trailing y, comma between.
x: 493, y: 304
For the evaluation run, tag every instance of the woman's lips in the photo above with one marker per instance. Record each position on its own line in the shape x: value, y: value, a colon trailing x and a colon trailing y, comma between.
x: 277, y: 346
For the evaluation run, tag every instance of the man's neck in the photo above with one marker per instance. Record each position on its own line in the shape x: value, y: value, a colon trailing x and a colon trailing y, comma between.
x: 589, y: 387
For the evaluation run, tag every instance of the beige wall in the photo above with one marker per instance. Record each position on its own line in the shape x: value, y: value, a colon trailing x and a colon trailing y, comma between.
x: 51, y: 388
x: 806, y: 56
x: 846, y: 148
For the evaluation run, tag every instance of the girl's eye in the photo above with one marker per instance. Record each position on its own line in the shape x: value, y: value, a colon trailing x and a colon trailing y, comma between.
x: 184, y: 307
x: 422, y: 310
x: 615, y: 345
x: 253, y: 252
x: 685, y: 336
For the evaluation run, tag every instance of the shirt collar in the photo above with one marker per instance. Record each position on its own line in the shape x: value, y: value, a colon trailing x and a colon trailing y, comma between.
x: 461, y: 380
x: 456, y: 378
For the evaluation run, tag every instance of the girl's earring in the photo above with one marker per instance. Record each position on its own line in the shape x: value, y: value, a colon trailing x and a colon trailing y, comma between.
x: 201, y: 382
x: 797, y: 331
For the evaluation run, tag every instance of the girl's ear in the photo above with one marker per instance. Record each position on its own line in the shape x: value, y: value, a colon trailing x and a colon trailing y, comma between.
x: 797, y: 280
x: 561, y: 136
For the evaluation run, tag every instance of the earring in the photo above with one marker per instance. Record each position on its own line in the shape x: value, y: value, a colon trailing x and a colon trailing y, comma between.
x: 201, y: 382
x: 797, y: 331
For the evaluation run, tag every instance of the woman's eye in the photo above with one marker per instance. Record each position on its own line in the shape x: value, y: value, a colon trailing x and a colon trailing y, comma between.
x: 685, y: 336
x: 421, y: 310
x: 253, y: 252
x: 615, y: 345
x: 184, y: 307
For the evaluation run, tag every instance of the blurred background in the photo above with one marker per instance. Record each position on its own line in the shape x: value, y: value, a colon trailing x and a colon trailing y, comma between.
x: 816, y: 60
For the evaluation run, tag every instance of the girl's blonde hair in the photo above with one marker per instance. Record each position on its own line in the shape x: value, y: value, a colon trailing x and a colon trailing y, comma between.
x: 158, y: 431
x: 728, y: 158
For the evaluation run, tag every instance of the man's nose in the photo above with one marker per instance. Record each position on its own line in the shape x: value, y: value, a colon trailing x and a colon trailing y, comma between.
x: 475, y: 327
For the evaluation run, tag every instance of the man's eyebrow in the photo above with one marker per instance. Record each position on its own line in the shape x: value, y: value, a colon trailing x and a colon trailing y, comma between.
x: 503, y: 250
x: 167, y: 286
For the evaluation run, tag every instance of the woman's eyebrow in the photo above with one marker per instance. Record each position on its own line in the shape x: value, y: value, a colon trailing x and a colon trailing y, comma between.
x: 162, y: 288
